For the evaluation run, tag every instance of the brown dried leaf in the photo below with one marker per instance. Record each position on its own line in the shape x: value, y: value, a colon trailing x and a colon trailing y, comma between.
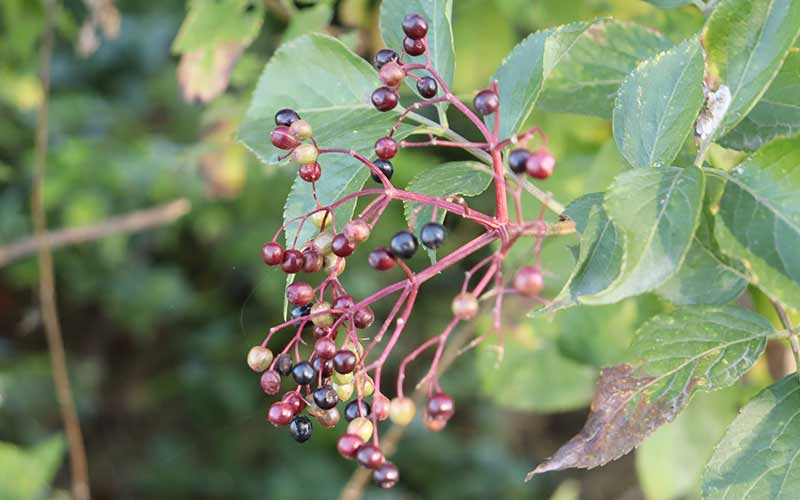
x: 103, y: 16
x: 204, y: 73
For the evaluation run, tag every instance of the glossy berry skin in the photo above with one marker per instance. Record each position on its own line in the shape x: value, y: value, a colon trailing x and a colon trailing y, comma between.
x: 413, y: 47
x: 322, y: 331
x: 348, y: 445
x: 343, y: 302
x: 325, y: 397
x: 386, y: 476
x: 344, y: 361
x: 381, y: 259
x: 259, y: 358
x: 432, y: 235
x: 363, y: 318
x: 301, y: 429
x: 310, y: 172
x: 301, y: 130
x: 325, y: 348
x: 465, y: 306
x: 351, y: 410
x: 301, y: 311
x: 385, y: 99
x: 325, y: 366
x: 303, y: 373
x: 415, y: 26
x: 392, y: 74
x: 441, y: 406
x: 272, y: 253
x: 270, y: 382
x: 312, y: 261
x: 284, y: 364
x: 528, y: 281
x: 370, y: 456
x: 299, y: 293
x: 427, y: 87
x: 402, y: 410
x: 384, y: 56
x: 380, y: 405
x: 386, y: 168
x: 341, y: 246
x: 517, y: 160
x: 305, y: 154
x: 292, y: 261
x: 357, y: 231
x: 280, y: 414
x: 294, y: 400
x: 541, y: 164
x: 282, y: 138
x: 486, y: 102
x: 403, y: 245
x: 286, y: 117
x: 386, y: 148
x: 434, y: 424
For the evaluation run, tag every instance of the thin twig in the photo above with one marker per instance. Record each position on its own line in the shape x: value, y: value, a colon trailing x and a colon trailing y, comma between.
x: 47, y: 294
x: 787, y: 323
x: 128, y: 223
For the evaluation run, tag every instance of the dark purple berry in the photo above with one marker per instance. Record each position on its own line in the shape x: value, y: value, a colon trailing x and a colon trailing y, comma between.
x: 301, y: 312
x: 386, y: 148
x: 385, y: 99
x: 286, y: 117
x: 403, y: 245
x: 413, y: 47
x: 292, y: 261
x: 363, y: 318
x: 432, y: 235
x: 441, y: 406
x: 517, y: 159
x: 386, y: 476
x: 343, y: 302
x: 385, y: 167
x: 344, y: 361
x: 284, y: 364
x: 341, y: 246
x: 415, y: 26
x: 312, y: 261
x: 325, y: 397
x: 325, y: 348
x: 486, y: 102
x: 294, y: 400
x: 427, y: 87
x: 301, y: 429
x: 381, y: 259
x: 351, y: 411
x: 370, y: 456
x: 323, y: 366
x: 303, y: 373
x: 384, y: 56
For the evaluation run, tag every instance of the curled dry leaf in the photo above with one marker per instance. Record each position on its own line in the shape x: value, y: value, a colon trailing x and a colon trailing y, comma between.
x: 204, y: 73
x: 104, y: 17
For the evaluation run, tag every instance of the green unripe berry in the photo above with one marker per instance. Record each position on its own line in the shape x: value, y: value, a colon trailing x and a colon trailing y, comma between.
x: 344, y: 391
x: 343, y: 379
x: 301, y: 130
x: 322, y: 319
x: 361, y: 427
x: 402, y: 410
x: 259, y: 358
x: 321, y: 219
x: 305, y: 154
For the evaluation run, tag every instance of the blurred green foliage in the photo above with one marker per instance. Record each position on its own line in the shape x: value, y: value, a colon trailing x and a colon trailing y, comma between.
x: 157, y: 324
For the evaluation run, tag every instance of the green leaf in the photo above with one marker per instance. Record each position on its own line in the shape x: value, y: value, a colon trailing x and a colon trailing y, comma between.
x: 440, y: 32
x: 533, y: 375
x: 776, y: 114
x: 706, y: 276
x: 657, y: 210
x: 585, y: 63
x: 670, y: 462
x: 306, y: 21
x: 329, y: 86
x: 746, y: 42
x: 466, y: 178
x: 210, y: 23
x: 657, y: 106
x: 28, y: 473
x: 757, y: 458
x: 759, y: 218
x: 669, y: 4
x: 673, y: 356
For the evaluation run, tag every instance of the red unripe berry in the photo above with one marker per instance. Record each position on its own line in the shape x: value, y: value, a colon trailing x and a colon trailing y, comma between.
x: 282, y: 138
x: 299, y: 293
x: 270, y: 382
x: 325, y: 348
x: 441, y: 406
x: 341, y: 246
x: 370, y: 456
x: 392, y: 74
x: 486, y: 102
x: 312, y: 261
x: 295, y: 401
x: 540, y: 164
x: 348, y: 445
x: 415, y: 26
x: 528, y: 281
x: 292, y: 261
x: 272, y: 253
x: 343, y: 302
x: 434, y: 424
x: 385, y: 99
x: 363, y: 318
x: 465, y: 306
x: 344, y: 361
x: 413, y: 47
x: 380, y: 406
x: 310, y: 172
x: 357, y: 231
x: 386, y: 476
x: 381, y: 259
x: 322, y: 331
x: 386, y: 148
x: 280, y: 414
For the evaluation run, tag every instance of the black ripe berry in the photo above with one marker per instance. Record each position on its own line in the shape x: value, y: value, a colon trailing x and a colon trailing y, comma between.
x: 415, y: 26
x: 384, y: 56
x: 486, y: 102
x: 301, y: 429
x: 427, y: 87
x: 351, y: 411
x: 385, y: 167
x: 344, y: 361
x: 403, y: 245
x: 517, y: 159
x: 432, y: 235
x: 303, y: 373
x: 413, y: 47
x: 286, y: 117
x: 384, y: 99
x: 301, y: 311
x: 325, y: 397
x: 284, y: 364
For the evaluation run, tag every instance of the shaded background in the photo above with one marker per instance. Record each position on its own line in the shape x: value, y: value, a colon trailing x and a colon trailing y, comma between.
x: 157, y: 324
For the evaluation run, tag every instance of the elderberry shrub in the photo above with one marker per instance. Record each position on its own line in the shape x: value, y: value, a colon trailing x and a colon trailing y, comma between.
x: 338, y: 372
